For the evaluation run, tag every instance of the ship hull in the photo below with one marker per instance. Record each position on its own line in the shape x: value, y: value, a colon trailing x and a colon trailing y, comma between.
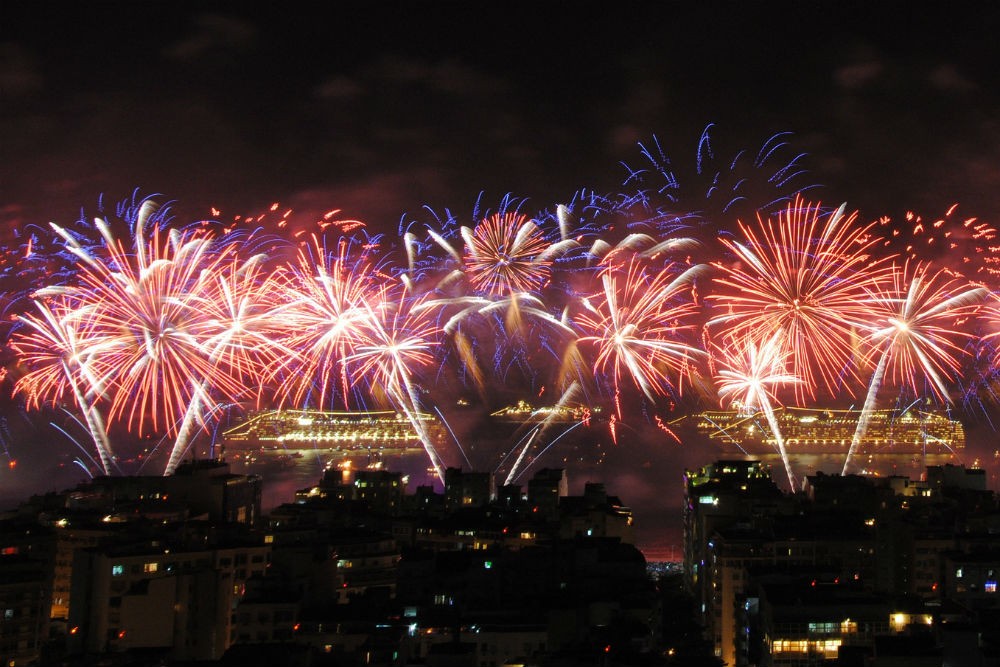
x: 343, y: 432
x: 828, y: 431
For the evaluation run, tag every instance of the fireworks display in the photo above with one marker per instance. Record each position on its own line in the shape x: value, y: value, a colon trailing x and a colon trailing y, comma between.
x: 640, y: 324
x: 914, y: 337
x: 752, y: 373
x: 807, y: 276
x: 623, y: 301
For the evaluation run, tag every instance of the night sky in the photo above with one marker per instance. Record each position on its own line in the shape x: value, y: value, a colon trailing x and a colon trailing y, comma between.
x: 382, y: 109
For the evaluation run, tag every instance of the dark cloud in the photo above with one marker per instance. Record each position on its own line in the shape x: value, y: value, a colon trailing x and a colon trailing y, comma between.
x: 19, y: 73
x: 947, y: 78
x: 235, y: 106
x: 339, y: 88
x: 858, y: 74
x: 212, y: 36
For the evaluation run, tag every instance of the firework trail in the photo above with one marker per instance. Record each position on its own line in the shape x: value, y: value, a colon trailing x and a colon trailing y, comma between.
x: 396, y: 340
x: 52, y: 346
x: 752, y: 371
x: 234, y: 303
x: 143, y: 341
x: 88, y: 468
x: 156, y: 325
x: 807, y: 277
x: 636, y: 325
x: 494, y: 273
x: 527, y: 439
x: 568, y: 396
x: 718, y: 190
x: 968, y: 248
x: 148, y: 327
x: 979, y: 382
x: 506, y: 254
x: 290, y: 225
x: 913, y: 335
x: 945, y: 239
x: 156, y: 328
x: 555, y: 440
x: 454, y: 437
x: 520, y: 457
x: 163, y: 347
x: 239, y: 314
x: 325, y: 296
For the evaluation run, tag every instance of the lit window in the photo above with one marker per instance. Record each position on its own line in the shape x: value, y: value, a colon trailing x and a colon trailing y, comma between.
x: 117, y: 570
x: 990, y: 586
x: 828, y: 647
x: 790, y: 646
x: 150, y: 567
x: 822, y: 627
x: 958, y: 573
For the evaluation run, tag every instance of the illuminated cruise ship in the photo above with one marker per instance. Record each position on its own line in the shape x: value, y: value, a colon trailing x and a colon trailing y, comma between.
x: 826, y: 431
x: 361, y: 430
x: 524, y: 412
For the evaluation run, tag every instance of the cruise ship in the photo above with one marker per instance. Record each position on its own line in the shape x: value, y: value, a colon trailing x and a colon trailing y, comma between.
x: 384, y: 430
x: 828, y: 431
x: 523, y: 412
